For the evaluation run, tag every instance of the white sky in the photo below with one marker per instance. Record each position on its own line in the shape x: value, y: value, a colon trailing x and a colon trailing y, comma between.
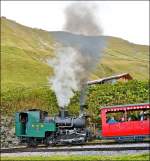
x: 126, y: 19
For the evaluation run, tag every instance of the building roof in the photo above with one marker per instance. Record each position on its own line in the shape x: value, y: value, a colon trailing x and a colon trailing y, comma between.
x: 103, y: 80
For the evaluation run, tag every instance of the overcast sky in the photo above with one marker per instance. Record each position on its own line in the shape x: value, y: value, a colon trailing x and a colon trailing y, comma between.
x: 126, y: 19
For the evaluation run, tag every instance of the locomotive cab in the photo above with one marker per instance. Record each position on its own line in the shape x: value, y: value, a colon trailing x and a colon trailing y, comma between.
x: 31, y: 128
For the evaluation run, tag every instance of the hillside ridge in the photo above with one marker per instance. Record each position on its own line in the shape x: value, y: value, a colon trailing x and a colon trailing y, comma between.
x: 25, y: 51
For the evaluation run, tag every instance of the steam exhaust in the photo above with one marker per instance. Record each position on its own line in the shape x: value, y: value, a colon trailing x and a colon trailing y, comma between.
x: 78, y: 52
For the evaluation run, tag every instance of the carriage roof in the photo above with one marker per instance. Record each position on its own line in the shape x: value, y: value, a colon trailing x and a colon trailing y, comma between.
x: 127, y: 107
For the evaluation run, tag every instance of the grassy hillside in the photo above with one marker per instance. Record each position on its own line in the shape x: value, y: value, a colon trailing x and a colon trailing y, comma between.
x: 121, y: 56
x: 24, y: 51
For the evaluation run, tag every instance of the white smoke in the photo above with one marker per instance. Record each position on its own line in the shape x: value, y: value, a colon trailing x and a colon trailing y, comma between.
x: 78, y: 55
x: 66, y: 68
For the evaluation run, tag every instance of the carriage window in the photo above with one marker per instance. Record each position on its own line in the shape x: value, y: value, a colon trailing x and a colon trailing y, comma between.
x: 138, y: 115
x: 114, y: 117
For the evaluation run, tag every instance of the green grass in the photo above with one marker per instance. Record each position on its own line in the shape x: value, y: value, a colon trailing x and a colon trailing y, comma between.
x: 137, y: 157
x: 24, y: 72
x: 19, y: 68
x: 25, y: 50
x: 23, y: 55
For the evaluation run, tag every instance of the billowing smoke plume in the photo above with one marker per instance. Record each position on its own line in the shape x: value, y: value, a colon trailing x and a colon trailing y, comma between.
x: 81, y: 19
x: 78, y: 55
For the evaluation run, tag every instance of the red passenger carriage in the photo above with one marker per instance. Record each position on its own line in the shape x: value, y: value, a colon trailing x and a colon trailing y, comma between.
x: 135, y: 127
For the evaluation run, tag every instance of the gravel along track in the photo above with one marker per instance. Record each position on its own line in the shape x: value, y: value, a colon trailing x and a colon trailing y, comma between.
x: 79, y: 150
x: 82, y: 153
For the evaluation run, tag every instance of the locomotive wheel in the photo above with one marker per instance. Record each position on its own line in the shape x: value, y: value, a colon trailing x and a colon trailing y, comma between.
x: 46, y: 142
x: 49, y: 139
x: 49, y: 142
x: 32, y: 142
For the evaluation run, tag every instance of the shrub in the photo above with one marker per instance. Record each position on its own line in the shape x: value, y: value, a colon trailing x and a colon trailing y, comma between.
x: 20, y: 98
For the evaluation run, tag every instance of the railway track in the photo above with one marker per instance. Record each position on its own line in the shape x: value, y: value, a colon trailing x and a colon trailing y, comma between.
x: 115, y: 147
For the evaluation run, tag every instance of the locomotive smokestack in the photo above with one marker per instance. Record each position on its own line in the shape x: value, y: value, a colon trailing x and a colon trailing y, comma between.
x: 82, y: 107
x: 63, y: 112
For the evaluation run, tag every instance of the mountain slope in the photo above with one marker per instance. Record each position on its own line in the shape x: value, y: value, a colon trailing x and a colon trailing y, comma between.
x: 25, y: 50
x: 121, y: 56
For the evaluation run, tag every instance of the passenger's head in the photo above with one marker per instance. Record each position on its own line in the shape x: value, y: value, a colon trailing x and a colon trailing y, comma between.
x: 112, y: 117
x: 142, y: 112
x: 129, y: 119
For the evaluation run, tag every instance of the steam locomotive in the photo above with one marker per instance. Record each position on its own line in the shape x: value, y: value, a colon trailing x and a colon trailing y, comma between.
x: 35, y: 127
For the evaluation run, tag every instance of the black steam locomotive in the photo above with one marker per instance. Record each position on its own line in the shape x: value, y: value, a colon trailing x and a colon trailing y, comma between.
x: 35, y: 127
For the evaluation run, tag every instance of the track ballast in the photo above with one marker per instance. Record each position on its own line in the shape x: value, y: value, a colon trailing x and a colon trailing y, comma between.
x: 115, y: 147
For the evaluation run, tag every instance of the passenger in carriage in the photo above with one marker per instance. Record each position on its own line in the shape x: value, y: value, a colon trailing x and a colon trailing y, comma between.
x: 141, y: 115
x: 148, y: 118
x: 112, y: 120
x: 144, y: 115
x: 129, y: 118
x: 122, y: 119
x: 147, y: 115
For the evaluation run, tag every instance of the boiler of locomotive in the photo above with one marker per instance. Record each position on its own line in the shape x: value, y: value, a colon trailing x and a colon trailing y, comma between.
x: 64, y: 120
